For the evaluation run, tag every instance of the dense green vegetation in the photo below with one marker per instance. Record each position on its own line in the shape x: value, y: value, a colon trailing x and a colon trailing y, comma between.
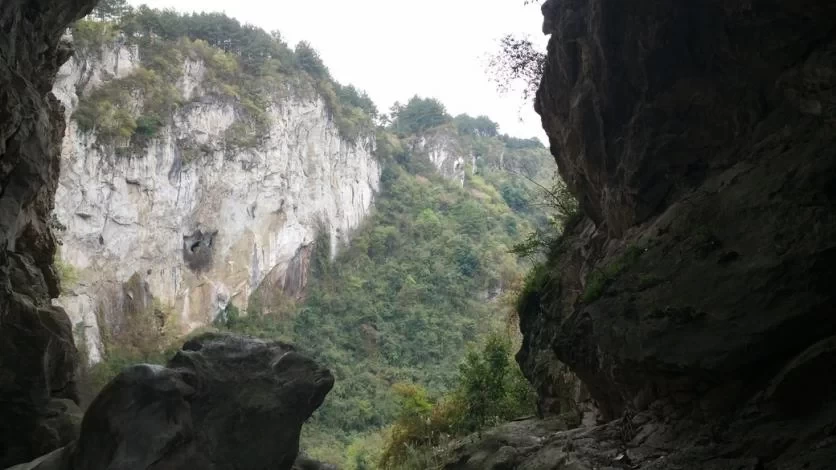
x: 428, y: 276
x: 490, y: 389
x: 245, y: 66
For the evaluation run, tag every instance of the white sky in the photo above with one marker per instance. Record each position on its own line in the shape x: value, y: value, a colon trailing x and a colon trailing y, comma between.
x: 394, y: 49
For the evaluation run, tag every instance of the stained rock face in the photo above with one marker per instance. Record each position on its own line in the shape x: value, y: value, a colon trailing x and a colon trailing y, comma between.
x: 37, y: 355
x: 699, y: 138
x: 222, y: 402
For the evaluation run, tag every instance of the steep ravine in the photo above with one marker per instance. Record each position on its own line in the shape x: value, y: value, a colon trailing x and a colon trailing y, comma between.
x: 194, y: 224
x: 691, y: 309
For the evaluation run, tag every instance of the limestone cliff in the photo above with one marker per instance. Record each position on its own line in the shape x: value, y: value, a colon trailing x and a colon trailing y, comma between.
x: 198, y: 222
x: 694, y: 299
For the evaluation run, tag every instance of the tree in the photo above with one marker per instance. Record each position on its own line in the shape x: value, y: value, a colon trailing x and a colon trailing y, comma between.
x: 483, y: 379
x: 480, y: 126
x: 351, y: 96
x: 515, y: 196
x: 307, y: 58
x: 108, y: 10
x: 517, y: 61
x: 418, y: 115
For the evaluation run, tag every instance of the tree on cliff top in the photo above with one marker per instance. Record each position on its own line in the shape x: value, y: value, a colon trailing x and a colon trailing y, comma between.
x: 111, y: 9
x: 418, y: 115
x: 480, y: 126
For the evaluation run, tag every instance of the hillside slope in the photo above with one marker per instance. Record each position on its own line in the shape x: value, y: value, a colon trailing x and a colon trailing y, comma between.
x: 427, y: 275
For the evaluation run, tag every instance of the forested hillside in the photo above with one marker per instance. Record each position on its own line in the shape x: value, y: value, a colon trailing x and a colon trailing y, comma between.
x: 428, y: 276
x: 414, y: 313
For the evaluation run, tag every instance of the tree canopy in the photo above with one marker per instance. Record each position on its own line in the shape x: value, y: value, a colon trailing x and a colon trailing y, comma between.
x: 480, y: 126
x: 418, y: 115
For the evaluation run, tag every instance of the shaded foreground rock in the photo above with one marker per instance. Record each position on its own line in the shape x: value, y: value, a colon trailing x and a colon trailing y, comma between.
x: 222, y: 402
x: 37, y: 354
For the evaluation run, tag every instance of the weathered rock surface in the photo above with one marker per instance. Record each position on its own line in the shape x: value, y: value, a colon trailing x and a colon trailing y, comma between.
x: 655, y: 439
x: 201, y: 223
x: 699, y: 138
x: 37, y: 355
x: 445, y: 150
x: 221, y: 402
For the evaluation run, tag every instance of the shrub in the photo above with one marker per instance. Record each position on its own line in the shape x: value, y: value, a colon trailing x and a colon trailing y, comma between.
x: 490, y: 389
x: 89, y: 36
x: 531, y: 293
x: 67, y: 274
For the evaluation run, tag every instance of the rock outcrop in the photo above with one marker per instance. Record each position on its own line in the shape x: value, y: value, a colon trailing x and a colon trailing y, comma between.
x: 446, y: 151
x: 694, y: 299
x: 221, y: 402
x: 201, y: 223
x: 37, y: 354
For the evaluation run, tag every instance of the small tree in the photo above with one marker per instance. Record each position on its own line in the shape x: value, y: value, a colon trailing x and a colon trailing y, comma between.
x: 517, y: 61
x: 480, y: 126
x: 321, y: 259
x: 307, y: 58
x: 483, y: 383
x: 565, y: 212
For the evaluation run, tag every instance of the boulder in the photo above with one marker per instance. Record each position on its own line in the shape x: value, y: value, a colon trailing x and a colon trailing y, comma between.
x: 221, y: 402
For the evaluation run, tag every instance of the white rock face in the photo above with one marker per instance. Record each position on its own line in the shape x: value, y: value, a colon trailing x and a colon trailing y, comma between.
x: 442, y: 146
x: 134, y: 215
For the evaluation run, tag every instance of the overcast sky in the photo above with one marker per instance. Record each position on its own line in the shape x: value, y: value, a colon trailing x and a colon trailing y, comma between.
x: 394, y: 49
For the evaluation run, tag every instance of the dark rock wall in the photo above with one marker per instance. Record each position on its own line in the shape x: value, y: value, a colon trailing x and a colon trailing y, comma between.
x: 37, y: 355
x: 700, y: 138
x: 694, y: 300
x: 642, y: 100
